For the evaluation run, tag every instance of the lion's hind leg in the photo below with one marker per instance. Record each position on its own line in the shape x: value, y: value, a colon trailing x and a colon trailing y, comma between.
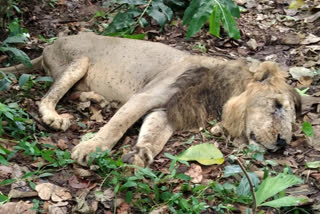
x: 154, y: 134
x: 93, y: 97
x: 59, y: 88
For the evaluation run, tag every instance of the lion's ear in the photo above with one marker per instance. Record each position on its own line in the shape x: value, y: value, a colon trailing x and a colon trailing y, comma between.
x: 233, y: 115
x: 268, y: 72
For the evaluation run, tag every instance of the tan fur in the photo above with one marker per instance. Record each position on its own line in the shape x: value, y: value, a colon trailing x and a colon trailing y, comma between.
x: 170, y: 88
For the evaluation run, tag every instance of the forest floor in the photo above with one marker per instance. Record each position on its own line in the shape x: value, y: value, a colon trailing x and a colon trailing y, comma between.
x: 269, y: 31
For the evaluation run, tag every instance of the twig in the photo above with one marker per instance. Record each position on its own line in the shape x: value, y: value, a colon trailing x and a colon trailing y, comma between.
x: 145, y: 10
x: 254, y: 204
x: 39, y: 122
x: 114, y: 9
x: 7, y: 140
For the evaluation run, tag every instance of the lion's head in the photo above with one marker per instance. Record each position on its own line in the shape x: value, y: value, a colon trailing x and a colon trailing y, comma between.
x: 265, y: 111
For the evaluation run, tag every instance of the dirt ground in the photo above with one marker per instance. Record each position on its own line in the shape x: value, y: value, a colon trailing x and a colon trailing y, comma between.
x: 269, y: 31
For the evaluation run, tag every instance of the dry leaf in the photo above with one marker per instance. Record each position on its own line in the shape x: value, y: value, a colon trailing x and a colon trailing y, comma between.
x: 305, y: 81
x: 17, y: 208
x: 59, y: 208
x: 63, y: 143
x: 310, y: 39
x: 49, y: 191
x: 195, y: 172
x: 96, y: 114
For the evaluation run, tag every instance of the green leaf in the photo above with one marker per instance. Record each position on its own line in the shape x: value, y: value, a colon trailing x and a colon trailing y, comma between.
x: 123, y: 22
x: 7, y: 182
x: 135, y: 36
x: 129, y: 184
x: 244, y: 187
x: 20, y: 38
x: 273, y: 185
x: 19, y: 55
x: 214, y: 21
x: 296, y: 4
x: 28, y: 175
x: 32, y: 185
x: 286, y: 201
x: 23, y: 79
x: 205, y: 153
x: 44, y: 79
x: 307, y: 129
x: 199, y: 11
x: 183, y: 177
x: 184, y: 204
x: 129, y: 196
x: 3, y: 198
x: 313, y: 165
x: 197, y: 14
x: 229, y: 24
x: 190, y: 140
x: 302, y: 92
x: 232, y: 7
x: 179, y: 3
x: 132, y: 2
x: 46, y: 174
x: 87, y: 136
x: 3, y: 161
x: 160, y: 12
x: 5, y: 84
x: 232, y: 170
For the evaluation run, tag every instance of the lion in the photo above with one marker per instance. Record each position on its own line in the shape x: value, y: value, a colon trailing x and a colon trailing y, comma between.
x: 170, y: 89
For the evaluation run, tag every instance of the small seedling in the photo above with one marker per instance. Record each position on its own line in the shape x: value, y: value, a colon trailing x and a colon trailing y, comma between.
x: 200, y: 47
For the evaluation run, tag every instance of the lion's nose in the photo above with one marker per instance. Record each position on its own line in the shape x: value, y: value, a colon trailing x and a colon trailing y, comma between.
x: 281, y: 142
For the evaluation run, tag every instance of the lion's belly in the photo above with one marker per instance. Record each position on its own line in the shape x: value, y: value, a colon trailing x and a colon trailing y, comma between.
x: 116, y: 83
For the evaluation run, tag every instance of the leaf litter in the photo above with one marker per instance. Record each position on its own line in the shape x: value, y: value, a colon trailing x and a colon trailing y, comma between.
x: 262, y: 26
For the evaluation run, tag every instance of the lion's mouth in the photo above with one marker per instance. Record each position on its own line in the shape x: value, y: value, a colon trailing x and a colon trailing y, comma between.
x: 264, y: 147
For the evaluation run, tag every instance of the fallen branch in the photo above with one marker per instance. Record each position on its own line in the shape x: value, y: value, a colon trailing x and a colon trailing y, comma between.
x: 254, y: 204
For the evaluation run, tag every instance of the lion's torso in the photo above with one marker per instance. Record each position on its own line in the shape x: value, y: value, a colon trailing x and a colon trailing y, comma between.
x: 118, y: 67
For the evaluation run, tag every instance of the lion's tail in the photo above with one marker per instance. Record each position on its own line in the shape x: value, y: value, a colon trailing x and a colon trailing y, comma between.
x: 20, y: 69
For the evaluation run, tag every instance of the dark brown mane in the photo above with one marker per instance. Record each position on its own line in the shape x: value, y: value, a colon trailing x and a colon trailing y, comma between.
x: 202, y: 92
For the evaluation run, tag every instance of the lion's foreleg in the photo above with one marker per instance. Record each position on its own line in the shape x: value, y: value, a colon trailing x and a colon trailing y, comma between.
x: 154, y: 134
x: 60, y: 87
x: 108, y: 135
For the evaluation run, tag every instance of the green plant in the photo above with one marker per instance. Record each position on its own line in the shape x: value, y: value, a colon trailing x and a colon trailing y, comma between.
x: 302, y: 92
x: 145, y: 182
x: 6, y: 80
x: 49, y: 40
x: 4, y: 199
x: 51, y: 3
x: 131, y: 14
x: 14, y: 121
x: 7, y: 10
x: 17, y: 35
x: 36, y: 206
x: 200, y: 47
x: 214, y: 11
x: 271, y: 186
x: 307, y: 129
x: 255, y: 152
x: 27, y: 81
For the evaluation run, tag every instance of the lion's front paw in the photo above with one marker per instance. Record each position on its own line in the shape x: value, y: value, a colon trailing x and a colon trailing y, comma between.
x: 139, y: 156
x: 56, y: 121
x: 81, y: 152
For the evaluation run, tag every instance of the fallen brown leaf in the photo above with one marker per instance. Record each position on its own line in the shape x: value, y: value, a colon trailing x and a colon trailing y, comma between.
x: 195, y: 172
x: 17, y: 208
x: 47, y: 191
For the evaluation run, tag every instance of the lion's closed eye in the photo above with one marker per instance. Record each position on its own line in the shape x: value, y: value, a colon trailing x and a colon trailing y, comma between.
x: 278, y: 105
